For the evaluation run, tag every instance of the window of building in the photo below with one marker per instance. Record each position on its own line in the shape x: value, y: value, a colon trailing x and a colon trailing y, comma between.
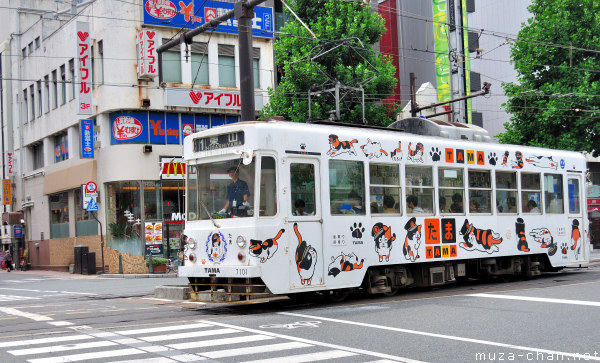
x: 302, y: 185
x: 574, y: 196
x: 171, y: 63
x: 268, y: 187
x: 124, y: 217
x: 507, y: 196
x: 25, y: 106
x: 255, y: 66
x: 346, y: 187
x: 452, y: 190
x: 530, y: 192
x: 553, y: 193
x: 226, y: 65
x: 47, y: 93
x: 100, y: 62
x: 39, y: 98
x: 32, y: 103
x: 72, y: 78
x: 37, y: 42
x: 24, y: 52
x: 480, y: 191
x: 85, y: 224
x: 63, y: 81
x: 54, y: 90
x: 419, y: 189
x: 384, y: 188
x: 152, y: 198
x: 59, y: 215
x: 61, y: 147
x: 30, y: 48
x: 37, y: 156
x: 199, y: 63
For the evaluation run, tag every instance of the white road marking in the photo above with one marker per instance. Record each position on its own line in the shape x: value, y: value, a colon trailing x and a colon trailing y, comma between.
x: 310, y: 357
x: 61, y: 348
x: 224, y: 341
x: 60, y: 323
x: 146, y: 360
x: 539, y: 299
x: 68, y: 338
x: 320, y: 344
x: 187, y: 335
x: 17, y: 298
x: 449, y: 337
x: 87, y: 356
x: 24, y: 314
x: 187, y: 358
x: 163, y: 329
x: 254, y: 350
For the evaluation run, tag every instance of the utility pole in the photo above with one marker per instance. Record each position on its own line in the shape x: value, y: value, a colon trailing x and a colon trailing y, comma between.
x: 244, y: 13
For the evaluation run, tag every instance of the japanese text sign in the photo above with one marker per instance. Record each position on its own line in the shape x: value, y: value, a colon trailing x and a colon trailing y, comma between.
x: 147, y: 58
x: 84, y: 68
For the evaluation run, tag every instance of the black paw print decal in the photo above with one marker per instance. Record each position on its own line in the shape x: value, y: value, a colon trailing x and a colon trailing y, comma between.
x: 357, y: 230
x: 435, y: 154
x: 492, y: 158
x: 564, y: 248
x: 302, y: 146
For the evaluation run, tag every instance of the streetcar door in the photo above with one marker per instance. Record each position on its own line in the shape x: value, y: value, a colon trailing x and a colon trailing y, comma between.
x: 304, y: 223
x: 578, y: 225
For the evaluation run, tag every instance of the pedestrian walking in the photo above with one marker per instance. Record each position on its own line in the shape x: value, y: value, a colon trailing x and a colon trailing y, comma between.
x: 8, y: 260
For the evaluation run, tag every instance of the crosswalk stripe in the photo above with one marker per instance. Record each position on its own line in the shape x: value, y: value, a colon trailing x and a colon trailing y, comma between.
x: 68, y: 338
x: 254, y: 349
x: 195, y: 334
x: 309, y: 357
x: 87, y: 356
x: 62, y: 348
x: 15, y: 297
x: 146, y: 360
x: 187, y: 358
x: 163, y: 329
x: 224, y: 341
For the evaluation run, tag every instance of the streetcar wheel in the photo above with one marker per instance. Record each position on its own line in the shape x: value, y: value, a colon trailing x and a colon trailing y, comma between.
x: 393, y: 291
x: 337, y: 295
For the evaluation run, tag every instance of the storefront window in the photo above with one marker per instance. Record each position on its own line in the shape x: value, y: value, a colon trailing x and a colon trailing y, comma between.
x: 172, y: 191
x: 152, y: 200
x: 124, y: 217
x: 85, y: 224
x: 59, y: 215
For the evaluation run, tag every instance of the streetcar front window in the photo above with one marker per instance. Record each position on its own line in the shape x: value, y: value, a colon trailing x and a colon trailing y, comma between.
x: 221, y: 190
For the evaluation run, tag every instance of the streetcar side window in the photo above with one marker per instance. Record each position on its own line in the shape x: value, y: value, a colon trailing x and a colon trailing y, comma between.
x: 384, y: 188
x: 268, y: 187
x: 506, y: 192
x: 553, y: 193
x: 419, y: 189
x: 480, y: 191
x: 302, y: 184
x: 192, y: 194
x: 530, y: 192
x: 574, y: 197
x: 346, y: 187
x: 452, y: 190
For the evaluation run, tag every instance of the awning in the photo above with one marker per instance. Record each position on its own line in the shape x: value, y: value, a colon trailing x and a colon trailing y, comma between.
x: 70, y: 177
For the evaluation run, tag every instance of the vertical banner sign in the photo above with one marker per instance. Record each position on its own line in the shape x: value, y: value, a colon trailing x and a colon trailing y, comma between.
x: 84, y: 71
x: 147, y: 58
x: 6, y: 191
x: 9, y: 163
x: 87, y: 139
x: 467, y: 66
x: 442, y: 63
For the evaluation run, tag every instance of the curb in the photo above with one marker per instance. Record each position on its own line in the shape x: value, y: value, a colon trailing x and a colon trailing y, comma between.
x: 139, y: 276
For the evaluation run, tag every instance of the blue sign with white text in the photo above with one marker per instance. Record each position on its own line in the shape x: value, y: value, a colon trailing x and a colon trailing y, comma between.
x: 18, y: 231
x: 87, y: 139
x: 188, y: 14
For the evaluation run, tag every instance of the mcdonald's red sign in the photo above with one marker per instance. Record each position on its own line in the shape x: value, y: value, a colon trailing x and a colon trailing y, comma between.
x: 172, y: 168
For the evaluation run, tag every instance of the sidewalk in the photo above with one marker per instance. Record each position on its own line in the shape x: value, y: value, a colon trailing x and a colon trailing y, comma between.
x: 116, y: 276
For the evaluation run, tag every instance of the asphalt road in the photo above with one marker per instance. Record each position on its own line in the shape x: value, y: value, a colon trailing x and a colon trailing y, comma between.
x: 51, y: 317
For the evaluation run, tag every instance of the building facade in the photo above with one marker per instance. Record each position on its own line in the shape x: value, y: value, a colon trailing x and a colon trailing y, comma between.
x: 83, y: 102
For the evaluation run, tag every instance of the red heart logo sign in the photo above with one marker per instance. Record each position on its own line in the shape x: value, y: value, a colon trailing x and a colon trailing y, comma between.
x: 195, y: 96
x: 83, y: 36
x: 150, y: 34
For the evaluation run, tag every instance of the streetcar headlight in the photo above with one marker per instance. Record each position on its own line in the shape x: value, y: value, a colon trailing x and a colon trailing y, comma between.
x: 241, y: 241
x: 191, y: 243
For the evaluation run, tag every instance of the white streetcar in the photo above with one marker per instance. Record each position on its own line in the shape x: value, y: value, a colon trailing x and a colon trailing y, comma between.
x: 276, y: 207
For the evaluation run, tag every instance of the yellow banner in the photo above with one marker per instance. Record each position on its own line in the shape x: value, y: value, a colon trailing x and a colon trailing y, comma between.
x: 7, y: 191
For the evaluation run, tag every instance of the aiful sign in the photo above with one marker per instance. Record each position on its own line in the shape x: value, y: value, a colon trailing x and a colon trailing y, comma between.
x: 147, y: 58
x: 84, y: 68
x: 215, y: 99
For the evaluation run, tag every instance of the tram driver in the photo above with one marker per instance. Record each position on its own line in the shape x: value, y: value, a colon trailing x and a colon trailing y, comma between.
x: 237, y: 194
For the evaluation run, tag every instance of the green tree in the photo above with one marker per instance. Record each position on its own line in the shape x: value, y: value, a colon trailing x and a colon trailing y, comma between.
x: 555, y: 101
x: 342, y: 51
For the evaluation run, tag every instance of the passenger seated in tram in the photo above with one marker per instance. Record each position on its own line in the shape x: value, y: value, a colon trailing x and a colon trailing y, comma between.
x: 300, y: 205
x: 412, y: 204
x: 474, y: 206
x: 442, y: 204
x: 457, y: 203
x: 531, y: 207
x: 389, y: 204
x: 356, y: 203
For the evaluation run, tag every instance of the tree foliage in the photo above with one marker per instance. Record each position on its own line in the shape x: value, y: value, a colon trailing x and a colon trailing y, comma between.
x: 342, y: 51
x: 555, y: 102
